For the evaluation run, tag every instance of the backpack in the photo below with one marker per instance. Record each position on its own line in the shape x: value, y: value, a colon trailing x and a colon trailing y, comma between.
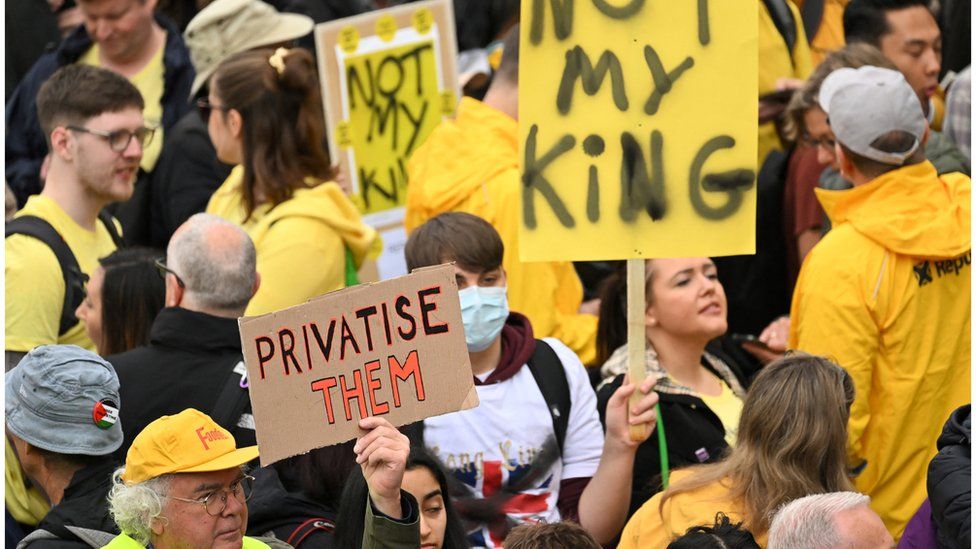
x: 74, y: 279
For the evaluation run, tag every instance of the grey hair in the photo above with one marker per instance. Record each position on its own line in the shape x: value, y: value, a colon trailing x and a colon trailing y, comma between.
x: 216, y: 260
x: 809, y: 522
x: 135, y: 507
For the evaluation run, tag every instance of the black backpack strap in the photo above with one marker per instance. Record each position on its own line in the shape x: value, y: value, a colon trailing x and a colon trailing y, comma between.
x: 233, y: 398
x: 550, y: 376
x: 113, y: 231
x: 812, y: 14
x: 309, y: 527
x: 782, y: 17
x: 74, y: 279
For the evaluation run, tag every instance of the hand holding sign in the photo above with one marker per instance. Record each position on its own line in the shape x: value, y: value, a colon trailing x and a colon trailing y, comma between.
x: 382, y: 454
x: 626, y: 417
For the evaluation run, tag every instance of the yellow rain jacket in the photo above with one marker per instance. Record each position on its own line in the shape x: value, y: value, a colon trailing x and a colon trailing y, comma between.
x: 471, y: 165
x: 887, y: 295
x: 301, y: 243
x: 652, y: 526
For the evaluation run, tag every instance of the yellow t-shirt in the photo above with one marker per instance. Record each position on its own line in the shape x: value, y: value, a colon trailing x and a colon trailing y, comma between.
x: 34, y: 283
x: 149, y: 81
x: 728, y: 408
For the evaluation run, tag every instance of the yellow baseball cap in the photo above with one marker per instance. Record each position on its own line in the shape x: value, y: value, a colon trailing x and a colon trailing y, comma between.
x: 189, y: 442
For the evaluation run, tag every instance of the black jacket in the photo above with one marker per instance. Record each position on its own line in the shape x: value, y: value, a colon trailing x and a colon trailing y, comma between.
x: 693, y: 432
x: 185, y: 177
x: 948, y: 481
x: 290, y: 517
x: 82, y: 518
x: 26, y: 145
x: 188, y: 362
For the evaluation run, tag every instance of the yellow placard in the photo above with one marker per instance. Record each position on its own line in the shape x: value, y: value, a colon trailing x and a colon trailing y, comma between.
x: 349, y: 39
x: 638, y: 124
x: 423, y: 19
x: 394, y: 101
x: 386, y: 27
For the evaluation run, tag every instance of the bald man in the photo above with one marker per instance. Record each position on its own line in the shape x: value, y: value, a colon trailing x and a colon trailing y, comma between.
x: 194, y: 359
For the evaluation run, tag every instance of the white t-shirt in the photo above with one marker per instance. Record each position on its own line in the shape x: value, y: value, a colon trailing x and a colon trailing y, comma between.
x: 490, y: 446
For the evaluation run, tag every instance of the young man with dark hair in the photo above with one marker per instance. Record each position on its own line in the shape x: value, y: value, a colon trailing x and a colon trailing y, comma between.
x: 887, y: 291
x: 533, y: 450
x: 470, y: 164
x: 125, y: 37
x: 907, y: 33
x: 93, y: 122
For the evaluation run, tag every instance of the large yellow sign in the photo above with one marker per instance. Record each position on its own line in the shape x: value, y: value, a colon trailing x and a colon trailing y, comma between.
x: 638, y: 122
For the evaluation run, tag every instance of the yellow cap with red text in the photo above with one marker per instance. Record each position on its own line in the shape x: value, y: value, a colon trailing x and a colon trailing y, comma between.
x: 188, y: 442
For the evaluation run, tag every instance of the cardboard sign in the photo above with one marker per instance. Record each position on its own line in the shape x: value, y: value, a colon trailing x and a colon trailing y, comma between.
x: 637, y: 123
x: 393, y: 349
x: 388, y: 78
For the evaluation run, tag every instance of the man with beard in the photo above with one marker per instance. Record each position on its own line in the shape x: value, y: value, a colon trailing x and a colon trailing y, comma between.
x: 93, y: 121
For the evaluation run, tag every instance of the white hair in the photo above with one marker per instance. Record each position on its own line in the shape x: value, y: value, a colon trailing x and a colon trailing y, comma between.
x: 809, y: 522
x: 216, y: 260
x: 134, y: 507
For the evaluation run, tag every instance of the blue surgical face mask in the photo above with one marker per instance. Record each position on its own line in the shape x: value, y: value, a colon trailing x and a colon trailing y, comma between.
x: 484, y: 311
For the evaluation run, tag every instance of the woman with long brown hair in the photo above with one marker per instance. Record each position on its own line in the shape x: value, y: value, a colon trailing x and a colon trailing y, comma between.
x: 791, y: 443
x: 264, y: 113
x: 700, y: 386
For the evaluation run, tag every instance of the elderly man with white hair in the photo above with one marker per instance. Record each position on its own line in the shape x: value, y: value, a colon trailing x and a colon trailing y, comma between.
x: 838, y: 520
x: 193, y: 359
x: 184, y: 485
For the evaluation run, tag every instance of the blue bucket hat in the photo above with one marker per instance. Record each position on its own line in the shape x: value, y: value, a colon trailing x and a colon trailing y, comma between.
x: 64, y: 399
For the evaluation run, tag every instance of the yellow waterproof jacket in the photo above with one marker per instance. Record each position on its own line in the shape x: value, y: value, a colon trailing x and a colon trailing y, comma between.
x: 653, y: 526
x: 887, y: 295
x: 471, y: 165
x: 301, y: 243
x: 775, y: 62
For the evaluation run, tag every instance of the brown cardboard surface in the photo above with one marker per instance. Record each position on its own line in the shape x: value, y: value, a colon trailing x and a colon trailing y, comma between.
x: 394, y: 348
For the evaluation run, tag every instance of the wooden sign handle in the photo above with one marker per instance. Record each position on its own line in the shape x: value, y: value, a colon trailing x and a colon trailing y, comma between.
x: 636, y: 342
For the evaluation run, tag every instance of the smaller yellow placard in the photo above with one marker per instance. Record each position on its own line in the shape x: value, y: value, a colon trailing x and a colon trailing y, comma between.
x: 349, y: 39
x: 386, y: 27
x: 422, y: 20
x: 448, y: 102
x: 344, y: 134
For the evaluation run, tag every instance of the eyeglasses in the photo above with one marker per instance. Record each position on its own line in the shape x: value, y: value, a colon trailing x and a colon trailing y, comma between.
x: 205, y: 107
x: 119, y: 140
x: 215, y: 502
x: 164, y: 270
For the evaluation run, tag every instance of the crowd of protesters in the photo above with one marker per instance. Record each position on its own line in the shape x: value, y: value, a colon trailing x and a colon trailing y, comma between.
x: 167, y: 174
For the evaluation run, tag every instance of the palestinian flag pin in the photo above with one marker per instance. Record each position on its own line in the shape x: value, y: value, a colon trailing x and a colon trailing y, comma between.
x: 105, y: 414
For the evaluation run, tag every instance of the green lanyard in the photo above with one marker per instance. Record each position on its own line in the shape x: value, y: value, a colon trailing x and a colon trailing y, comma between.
x: 662, y: 446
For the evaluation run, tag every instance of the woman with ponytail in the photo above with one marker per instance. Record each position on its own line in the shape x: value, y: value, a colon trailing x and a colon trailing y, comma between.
x: 264, y: 114
x: 700, y: 390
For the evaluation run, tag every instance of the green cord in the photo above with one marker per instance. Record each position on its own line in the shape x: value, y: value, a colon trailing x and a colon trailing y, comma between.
x: 662, y: 446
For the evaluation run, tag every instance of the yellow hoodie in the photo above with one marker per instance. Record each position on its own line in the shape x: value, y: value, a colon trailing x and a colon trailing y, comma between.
x: 471, y: 165
x: 887, y: 295
x: 653, y: 526
x: 301, y: 243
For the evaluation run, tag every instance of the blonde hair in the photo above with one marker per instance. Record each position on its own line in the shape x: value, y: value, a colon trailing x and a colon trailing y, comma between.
x: 791, y: 440
x: 806, y: 96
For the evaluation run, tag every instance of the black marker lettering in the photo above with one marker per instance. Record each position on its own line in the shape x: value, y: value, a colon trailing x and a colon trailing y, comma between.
x: 532, y: 179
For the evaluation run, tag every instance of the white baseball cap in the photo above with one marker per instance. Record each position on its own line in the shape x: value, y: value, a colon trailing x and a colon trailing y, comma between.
x: 867, y: 103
